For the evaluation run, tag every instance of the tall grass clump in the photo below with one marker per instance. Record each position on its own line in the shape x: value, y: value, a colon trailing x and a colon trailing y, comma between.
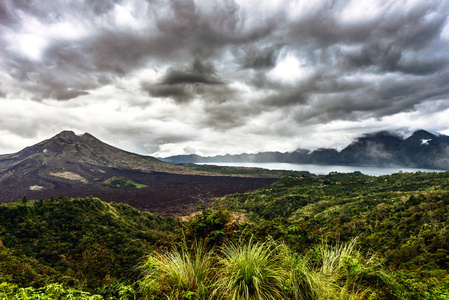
x: 179, y: 274
x: 344, y: 273
x: 302, y: 282
x: 336, y: 272
x: 267, y: 270
x: 250, y: 270
x: 332, y: 260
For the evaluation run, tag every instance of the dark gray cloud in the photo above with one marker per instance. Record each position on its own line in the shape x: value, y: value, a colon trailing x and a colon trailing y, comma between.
x: 385, y: 57
x: 261, y: 59
x: 227, y: 64
x: 413, y: 27
x: 422, y: 66
x: 183, y: 85
x: 226, y: 116
x: 68, y: 94
x: 60, y: 78
x: 7, y: 18
x: 106, y: 53
x: 199, y: 73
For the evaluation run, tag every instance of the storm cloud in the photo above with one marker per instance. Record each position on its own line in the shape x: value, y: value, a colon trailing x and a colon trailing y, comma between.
x: 184, y: 85
x: 226, y: 76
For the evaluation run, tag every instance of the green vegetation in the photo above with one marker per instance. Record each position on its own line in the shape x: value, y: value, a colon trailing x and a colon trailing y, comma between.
x: 83, y: 243
x: 178, y: 274
x: 263, y: 270
x: 48, y: 292
x: 121, y: 183
x: 250, y: 270
x: 339, y: 236
x: 241, y: 171
x: 401, y: 217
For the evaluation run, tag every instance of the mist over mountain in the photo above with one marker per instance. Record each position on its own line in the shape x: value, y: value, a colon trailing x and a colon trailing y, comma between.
x: 381, y: 149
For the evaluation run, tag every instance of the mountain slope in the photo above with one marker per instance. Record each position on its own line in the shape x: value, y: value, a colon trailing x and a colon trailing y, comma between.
x: 68, y: 162
x: 83, y: 240
x: 77, y: 165
x: 67, y: 147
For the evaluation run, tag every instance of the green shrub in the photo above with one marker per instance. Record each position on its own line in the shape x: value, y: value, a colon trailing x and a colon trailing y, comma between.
x: 54, y: 291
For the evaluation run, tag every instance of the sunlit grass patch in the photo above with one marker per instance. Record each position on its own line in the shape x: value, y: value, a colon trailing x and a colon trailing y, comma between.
x: 121, y: 183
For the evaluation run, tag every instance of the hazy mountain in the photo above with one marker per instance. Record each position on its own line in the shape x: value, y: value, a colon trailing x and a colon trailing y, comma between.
x: 422, y: 149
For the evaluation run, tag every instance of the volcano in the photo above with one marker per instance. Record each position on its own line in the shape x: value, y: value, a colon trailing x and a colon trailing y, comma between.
x: 77, y: 165
x: 67, y: 148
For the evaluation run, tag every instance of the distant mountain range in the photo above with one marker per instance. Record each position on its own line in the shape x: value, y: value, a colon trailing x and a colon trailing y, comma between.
x: 420, y: 150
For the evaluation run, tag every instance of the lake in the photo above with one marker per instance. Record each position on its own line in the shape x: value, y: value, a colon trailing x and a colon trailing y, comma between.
x: 324, y: 169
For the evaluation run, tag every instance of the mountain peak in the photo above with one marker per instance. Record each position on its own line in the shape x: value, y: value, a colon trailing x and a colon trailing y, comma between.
x: 422, y: 134
x: 88, y: 136
x: 66, y: 134
x: 70, y: 135
x: 380, y: 134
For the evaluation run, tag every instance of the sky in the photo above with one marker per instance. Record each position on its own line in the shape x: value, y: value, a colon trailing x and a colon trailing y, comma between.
x: 209, y: 77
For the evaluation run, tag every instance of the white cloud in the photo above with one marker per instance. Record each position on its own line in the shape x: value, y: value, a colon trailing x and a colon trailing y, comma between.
x: 357, y: 11
x: 300, y: 9
x: 290, y: 70
x: 131, y: 15
x: 445, y: 31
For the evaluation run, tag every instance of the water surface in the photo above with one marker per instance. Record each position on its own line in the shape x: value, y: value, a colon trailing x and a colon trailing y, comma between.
x: 324, y: 169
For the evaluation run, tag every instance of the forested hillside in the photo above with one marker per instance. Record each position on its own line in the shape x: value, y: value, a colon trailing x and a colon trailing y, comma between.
x: 400, y: 217
x: 84, y: 243
x: 340, y: 236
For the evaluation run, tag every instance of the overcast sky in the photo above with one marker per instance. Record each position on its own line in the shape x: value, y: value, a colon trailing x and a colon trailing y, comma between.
x: 163, y: 77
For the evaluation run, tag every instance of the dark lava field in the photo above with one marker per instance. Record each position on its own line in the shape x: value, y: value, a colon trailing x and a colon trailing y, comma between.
x: 166, y: 194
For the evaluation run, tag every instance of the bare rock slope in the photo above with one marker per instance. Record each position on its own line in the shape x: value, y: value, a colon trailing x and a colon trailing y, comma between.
x: 76, y: 165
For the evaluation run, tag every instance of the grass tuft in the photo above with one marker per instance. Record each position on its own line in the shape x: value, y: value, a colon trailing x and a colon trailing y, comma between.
x: 265, y: 271
x: 250, y: 270
x: 178, y: 274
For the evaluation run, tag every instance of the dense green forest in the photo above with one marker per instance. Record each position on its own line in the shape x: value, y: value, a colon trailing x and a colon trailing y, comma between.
x: 339, y: 236
x: 402, y: 218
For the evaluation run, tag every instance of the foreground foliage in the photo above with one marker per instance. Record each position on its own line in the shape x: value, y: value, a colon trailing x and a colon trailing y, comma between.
x: 401, y: 217
x: 82, y: 242
x: 178, y: 274
x: 340, y: 236
x: 265, y: 270
x: 48, y: 292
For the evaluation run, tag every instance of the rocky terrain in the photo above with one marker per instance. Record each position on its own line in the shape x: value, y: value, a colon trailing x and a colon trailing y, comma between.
x: 75, y: 166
